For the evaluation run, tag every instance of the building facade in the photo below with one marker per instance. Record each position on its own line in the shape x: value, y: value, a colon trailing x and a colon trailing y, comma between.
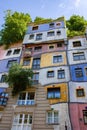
x: 57, y: 99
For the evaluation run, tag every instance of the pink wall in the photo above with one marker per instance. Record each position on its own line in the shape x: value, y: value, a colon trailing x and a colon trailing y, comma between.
x: 76, y: 114
x: 45, y: 48
x: 2, y: 53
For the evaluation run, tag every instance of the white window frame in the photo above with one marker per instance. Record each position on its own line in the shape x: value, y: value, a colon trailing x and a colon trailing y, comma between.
x: 52, y: 119
x: 26, y: 101
x: 19, y: 122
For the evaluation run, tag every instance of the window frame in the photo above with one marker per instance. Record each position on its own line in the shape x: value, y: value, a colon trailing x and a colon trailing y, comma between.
x: 26, y: 62
x: 80, y: 92
x: 25, y: 98
x: 61, y: 74
x: 76, y: 43
x: 50, y: 74
x: 36, y: 63
x: 15, y: 51
x: 52, y: 118
x: 10, y: 62
x: 78, y: 72
x: 35, y: 28
x: 57, y: 59
x: 50, y: 33
x: 85, y: 116
x: 8, y: 52
x: 31, y: 36
x: 54, y: 93
x: 37, y: 48
x: 39, y: 36
x: 51, y: 25
x: 78, y: 56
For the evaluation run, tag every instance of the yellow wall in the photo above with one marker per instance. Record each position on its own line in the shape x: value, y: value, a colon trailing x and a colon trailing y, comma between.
x: 47, y: 59
x: 63, y: 93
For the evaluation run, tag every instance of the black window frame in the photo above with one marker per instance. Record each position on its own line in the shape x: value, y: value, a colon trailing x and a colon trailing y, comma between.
x: 80, y: 92
x: 36, y: 63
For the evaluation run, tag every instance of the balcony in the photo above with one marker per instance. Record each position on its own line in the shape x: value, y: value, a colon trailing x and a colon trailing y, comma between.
x: 25, y: 102
x: 27, y: 54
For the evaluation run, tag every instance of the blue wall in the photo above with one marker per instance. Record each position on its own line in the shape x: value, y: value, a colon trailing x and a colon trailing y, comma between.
x: 44, y: 27
x: 72, y: 71
x: 3, y: 64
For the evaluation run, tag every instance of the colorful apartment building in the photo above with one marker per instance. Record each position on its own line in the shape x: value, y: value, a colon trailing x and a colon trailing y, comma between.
x: 57, y: 99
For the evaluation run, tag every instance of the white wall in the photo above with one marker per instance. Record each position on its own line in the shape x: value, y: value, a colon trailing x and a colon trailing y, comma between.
x: 43, y: 75
x: 72, y: 91
x: 44, y: 36
x: 63, y: 116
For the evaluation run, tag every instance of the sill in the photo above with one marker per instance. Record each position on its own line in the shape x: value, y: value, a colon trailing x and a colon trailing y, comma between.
x: 53, y: 124
x: 26, y: 105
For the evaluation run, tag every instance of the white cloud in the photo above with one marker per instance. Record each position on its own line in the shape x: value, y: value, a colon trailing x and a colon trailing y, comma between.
x: 77, y: 3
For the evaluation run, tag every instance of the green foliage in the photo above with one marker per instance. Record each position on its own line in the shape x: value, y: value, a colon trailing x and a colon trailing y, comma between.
x: 14, y: 27
x: 19, y: 78
x: 40, y: 20
x: 76, y: 25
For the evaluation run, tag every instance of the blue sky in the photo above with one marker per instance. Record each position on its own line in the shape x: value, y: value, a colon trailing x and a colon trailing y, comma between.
x: 45, y: 8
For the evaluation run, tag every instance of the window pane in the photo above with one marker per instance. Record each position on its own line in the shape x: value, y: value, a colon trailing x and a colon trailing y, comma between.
x: 61, y: 74
x: 16, y: 51
x: 57, y: 59
x: 78, y: 72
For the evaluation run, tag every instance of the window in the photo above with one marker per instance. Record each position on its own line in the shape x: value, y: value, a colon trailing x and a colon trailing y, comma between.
x: 26, y: 62
x: 11, y: 62
x: 80, y: 92
x: 9, y: 53
x: 59, y: 44
x: 57, y: 59
x: 61, y: 74
x: 50, y: 74
x: 53, y: 93
x: 35, y: 28
x: 3, y: 78
x: 26, y: 98
x: 78, y: 56
x: 77, y: 44
x: 16, y: 51
x: 78, y: 72
x: 51, y: 25
x: 36, y: 63
x: 58, y: 24
x: 51, y: 47
x: 35, y: 78
x: 59, y: 32
x: 52, y: 117
x: 31, y: 36
x: 39, y: 36
x: 38, y: 48
x: 85, y: 116
x: 50, y: 34
x: 22, y: 121
x: 3, y: 98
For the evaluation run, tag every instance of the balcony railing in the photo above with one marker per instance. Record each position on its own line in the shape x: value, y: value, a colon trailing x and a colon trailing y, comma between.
x: 25, y: 102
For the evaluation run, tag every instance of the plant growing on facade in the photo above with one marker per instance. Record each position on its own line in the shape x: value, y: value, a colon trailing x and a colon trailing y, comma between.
x: 19, y: 78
